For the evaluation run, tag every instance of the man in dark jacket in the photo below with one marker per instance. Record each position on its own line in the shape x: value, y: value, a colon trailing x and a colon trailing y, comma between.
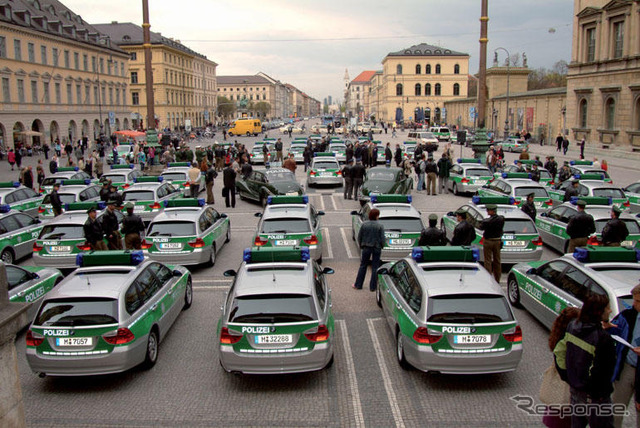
x: 53, y: 165
x: 464, y: 233
x: 54, y: 200
x: 615, y: 231
x: 132, y: 228
x: 444, y: 167
x: 27, y: 180
x: 104, y: 192
x: 209, y: 176
x: 114, y: 195
x: 529, y: 208
x: 347, y: 170
x: 93, y: 231
x: 579, y: 228
x: 229, y: 190
x: 357, y: 175
x: 431, y: 171
x: 552, y: 166
x: 398, y: 155
x: 571, y: 191
x: 432, y: 236
x: 110, y: 227
x: 493, y: 228
x: 388, y: 154
x: 371, y: 239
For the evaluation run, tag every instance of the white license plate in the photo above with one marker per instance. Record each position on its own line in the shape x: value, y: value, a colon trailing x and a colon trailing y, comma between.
x: 287, y: 242
x: 138, y: 208
x: 74, y: 341
x: 472, y: 339
x: 60, y: 249
x: 400, y: 241
x: 515, y: 243
x: 627, y: 243
x: 170, y: 246
x: 292, y: 193
x: 326, y: 174
x: 274, y: 338
x: 480, y: 181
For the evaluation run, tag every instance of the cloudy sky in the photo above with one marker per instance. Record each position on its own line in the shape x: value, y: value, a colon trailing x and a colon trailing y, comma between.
x: 310, y: 44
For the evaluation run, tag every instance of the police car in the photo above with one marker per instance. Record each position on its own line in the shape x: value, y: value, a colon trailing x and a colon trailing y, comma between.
x: 70, y: 191
x: 148, y: 195
x: 521, y: 240
x: 64, y: 173
x: 513, y: 144
x: 107, y: 316
x: 187, y: 232
x: 125, y: 153
x: 409, y: 148
x: 582, y: 167
x: 593, y: 187
x: 324, y: 169
x: 29, y: 284
x: 448, y: 314
x: 553, y: 224
x: 518, y: 186
x: 545, y: 176
x: 468, y: 175
x: 20, y: 198
x: 338, y: 148
x: 18, y: 231
x: 297, y: 150
x: 546, y: 288
x: 381, y: 158
x: 385, y: 180
x: 257, y: 153
x: 290, y: 221
x: 402, y: 224
x: 62, y: 238
x: 177, y: 173
x: 261, y: 184
x: 122, y: 176
x: 632, y: 191
x: 277, y: 316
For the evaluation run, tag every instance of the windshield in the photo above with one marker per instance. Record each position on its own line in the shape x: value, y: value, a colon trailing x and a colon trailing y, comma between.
x: 538, y: 192
x: 272, y: 308
x: 606, y: 192
x: 62, y: 231
x: 114, y: 178
x: 65, y: 198
x: 512, y: 226
x: 123, y: 149
x: 326, y: 165
x: 50, y: 181
x: 632, y: 225
x: 172, y: 228
x: 275, y: 177
x: 479, y: 172
x: 401, y: 224
x: 138, y: 195
x: 175, y: 176
x: 381, y: 175
x: 428, y: 135
x: 78, y: 312
x: 468, y: 309
x: 286, y: 225
x: 545, y: 174
x: 338, y: 147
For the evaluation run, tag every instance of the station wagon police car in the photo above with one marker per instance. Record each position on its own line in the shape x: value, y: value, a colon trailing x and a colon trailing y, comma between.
x: 324, y: 169
x: 597, y: 188
x: 289, y: 221
x: 384, y: 180
x: 20, y: 198
x: 545, y: 176
x: 338, y: 148
x: 297, y: 149
x: 467, y: 176
x: 29, y: 284
x: 546, y: 288
x: 177, y: 173
x: 261, y: 184
x: 187, y: 232
x: 448, y: 314
x: 402, y: 224
x: 64, y: 173
x: 70, y: 191
x: 277, y: 316
x: 107, y: 316
x: 18, y: 231
x: 257, y: 153
x: 122, y: 176
x: 518, y: 186
x: 521, y: 240
x: 632, y: 191
x: 581, y: 167
x: 148, y: 195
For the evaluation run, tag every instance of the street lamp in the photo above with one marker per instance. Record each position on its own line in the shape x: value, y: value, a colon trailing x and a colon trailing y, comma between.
x: 506, y: 120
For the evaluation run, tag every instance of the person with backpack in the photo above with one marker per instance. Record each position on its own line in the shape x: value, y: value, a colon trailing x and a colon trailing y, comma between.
x: 444, y: 168
x: 420, y: 170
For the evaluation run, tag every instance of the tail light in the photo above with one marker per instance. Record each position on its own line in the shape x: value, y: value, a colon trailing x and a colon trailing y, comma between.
x: 126, y: 186
x: 311, y: 240
x: 226, y: 338
x: 41, y: 209
x: 198, y: 243
x: 593, y: 240
x: 552, y: 183
x: 339, y: 173
x: 155, y: 206
x: 145, y: 244
x: 312, y: 173
x: 549, y: 202
x: 422, y: 335
x: 119, y: 336
x: 481, y: 241
x: 464, y: 181
x: 321, y: 335
x: 626, y: 203
x: 515, y: 336
x: 186, y: 184
x: 259, y: 241
x: 85, y: 246
x: 37, y: 248
x: 34, y: 339
x: 517, y: 202
x: 537, y: 241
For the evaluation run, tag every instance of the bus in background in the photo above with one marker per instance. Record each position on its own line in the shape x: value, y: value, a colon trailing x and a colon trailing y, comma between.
x: 327, y: 119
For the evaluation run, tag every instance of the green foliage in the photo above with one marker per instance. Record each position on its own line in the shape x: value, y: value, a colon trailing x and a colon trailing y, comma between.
x: 226, y: 107
x: 542, y: 78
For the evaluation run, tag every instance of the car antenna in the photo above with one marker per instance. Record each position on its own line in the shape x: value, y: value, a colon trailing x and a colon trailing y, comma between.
x: 273, y: 272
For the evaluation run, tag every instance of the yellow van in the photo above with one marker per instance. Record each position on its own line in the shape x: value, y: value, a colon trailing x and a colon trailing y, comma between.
x: 245, y: 126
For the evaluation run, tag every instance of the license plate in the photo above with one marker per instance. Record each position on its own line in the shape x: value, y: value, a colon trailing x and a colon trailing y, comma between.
x: 138, y: 208
x: 74, y: 341
x: 326, y: 174
x: 472, y: 339
x: 274, y: 338
x: 287, y: 242
x: 627, y: 243
x: 170, y: 246
x: 60, y: 249
x: 292, y: 193
x: 400, y: 241
x: 514, y: 243
x: 480, y: 181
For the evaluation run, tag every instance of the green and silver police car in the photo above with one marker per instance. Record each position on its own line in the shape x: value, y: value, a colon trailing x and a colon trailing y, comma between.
x: 18, y: 232
x: 277, y: 316
x: 148, y: 195
x: 633, y: 193
x: 125, y: 154
x: 64, y: 173
x: 521, y: 240
x: 448, y: 314
x: 29, y: 284
x: 468, y: 175
x: 518, y: 186
x: 384, y: 180
x: 324, y: 169
x: 581, y: 167
x: 513, y: 144
x: 297, y: 150
x: 177, y: 173
x: 20, y: 198
x: 257, y: 152
x: 70, y: 191
x: 289, y: 221
x: 545, y: 176
x: 187, y: 232
x: 401, y: 220
x: 592, y: 187
x: 122, y: 176
x: 108, y: 316
x: 545, y: 288
x: 262, y: 183
x: 339, y: 149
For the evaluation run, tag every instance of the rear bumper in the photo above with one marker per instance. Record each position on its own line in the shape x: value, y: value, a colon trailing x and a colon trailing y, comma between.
x: 183, y: 258
x: 324, y: 180
x: 67, y: 261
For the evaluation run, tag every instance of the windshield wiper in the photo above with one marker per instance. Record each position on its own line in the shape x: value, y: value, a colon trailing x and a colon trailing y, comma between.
x: 55, y: 236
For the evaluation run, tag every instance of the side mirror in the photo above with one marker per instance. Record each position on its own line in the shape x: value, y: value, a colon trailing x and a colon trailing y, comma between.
x: 177, y: 273
x: 320, y: 213
x: 532, y: 271
x: 354, y: 212
x: 229, y: 273
x: 327, y: 271
x: 544, y: 215
x: 37, y: 221
x: 34, y: 275
x: 450, y: 214
x: 223, y: 215
x: 257, y: 215
x: 383, y: 271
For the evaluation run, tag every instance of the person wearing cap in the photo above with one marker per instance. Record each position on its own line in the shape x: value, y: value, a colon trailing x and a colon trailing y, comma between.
x: 565, y: 172
x: 529, y: 208
x: 54, y: 200
x: 110, y: 226
x: 552, y: 166
x: 535, y: 173
x: 347, y: 170
x: 209, y: 177
x: 431, y: 171
x: 615, y: 231
x: 104, y: 192
x: 493, y: 227
x: 571, y: 191
x: 114, y: 195
x: 432, y: 236
x: 132, y: 228
x: 579, y: 228
x: 93, y: 231
x: 464, y: 233
x: 371, y: 239
x: 357, y: 176
x: 193, y: 174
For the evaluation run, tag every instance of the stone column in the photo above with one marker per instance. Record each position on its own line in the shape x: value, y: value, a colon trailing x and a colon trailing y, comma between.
x: 12, y: 317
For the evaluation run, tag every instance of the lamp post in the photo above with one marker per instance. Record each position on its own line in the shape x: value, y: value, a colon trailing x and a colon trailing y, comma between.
x: 506, y: 119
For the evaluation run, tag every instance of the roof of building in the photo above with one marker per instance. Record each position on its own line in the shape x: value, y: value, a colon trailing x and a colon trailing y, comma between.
x: 242, y: 80
x: 364, y: 77
x: 424, y: 49
x: 537, y: 92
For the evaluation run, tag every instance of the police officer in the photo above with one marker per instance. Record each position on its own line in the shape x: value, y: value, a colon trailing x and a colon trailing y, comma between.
x: 565, y: 173
x: 493, y: 228
x: 132, y: 227
x: 571, y: 191
x: 114, y: 195
x: 464, y: 233
x: 104, y: 192
x: 54, y: 199
x: 615, y: 231
x: 347, y: 171
x: 93, y: 231
x: 529, y: 208
x: 579, y: 228
x: 357, y: 174
x: 432, y: 236
x: 209, y: 177
x: 110, y: 227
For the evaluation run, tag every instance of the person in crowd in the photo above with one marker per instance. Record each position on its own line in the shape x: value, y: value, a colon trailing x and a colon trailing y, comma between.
x: 110, y: 226
x: 114, y: 195
x: 209, y: 177
x: 493, y: 227
x: 93, y: 231
x: 580, y: 227
x: 132, y: 228
x: 535, y: 173
x: 615, y: 231
x: 388, y: 154
x: 444, y: 168
x: 433, y: 235
x: 371, y: 239
x: 431, y: 171
x: 104, y: 191
x: 27, y: 178
x: 529, y: 208
x: 229, y: 189
x: 290, y: 163
x: 565, y: 173
x: 552, y: 166
x: 357, y: 176
x: 463, y: 233
x: 421, y: 170
x: 193, y: 174
x: 55, y: 201
x: 604, y: 165
x: 347, y: 174
x: 11, y: 158
x: 559, y: 141
x: 278, y: 147
x: 571, y: 191
x: 398, y: 155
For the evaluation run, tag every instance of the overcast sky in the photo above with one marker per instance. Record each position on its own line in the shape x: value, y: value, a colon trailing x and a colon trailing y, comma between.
x: 310, y: 44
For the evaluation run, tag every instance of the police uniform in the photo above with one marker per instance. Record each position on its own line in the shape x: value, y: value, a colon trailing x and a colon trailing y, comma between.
x: 357, y: 174
x: 570, y: 192
x: 529, y: 208
x: 93, y: 233
x: 615, y: 231
x: 432, y: 236
x: 110, y: 228
x: 132, y: 226
x: 464, y: 233
x: 493, y: 228
x: 579, y: 228
x: 54, y: 199
x: 347, y: 170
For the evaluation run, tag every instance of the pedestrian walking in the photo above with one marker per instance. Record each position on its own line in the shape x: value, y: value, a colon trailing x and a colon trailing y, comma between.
x: 193, y: 174
x: 398, y: 155
x: 493, y: 227
x: 27, y: 179
x: 93, y: 231
x: 371, y: 239
x: 431, y: 171
x: 209, y: 177
x: 110, y: 226
x: 388, y: 155
x: 582, y: 143
x: 565, y: 145
x: 346, y: 172
x: 132, y: 228
x: 45, y: 150
x: 580, y: 227
x: 432, y: 235
x: 420, y: 171
x: 444, y: 168
x: 529, y: 208
x: 11, y: 158
x: 229, y: 189
x: 615, y: 231
x: 18, y: 158
x: 55, y: 201
x: 357, y: 175
x: 559, y: 141
x: 40, y: 175
x: 463, y: 233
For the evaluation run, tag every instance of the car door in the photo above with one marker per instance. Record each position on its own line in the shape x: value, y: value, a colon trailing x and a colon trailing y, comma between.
x: 30, y: 200
x: 358, y: 220
x: 555, y: 292
x: 156, y: 302
x: 316, y: 228
x: 27, y: 233
x: 20, y: 281
x: 174, y: 291
x: 13, y: 230
x: 391, y: 292
x: 406, y: 295
x: 217, y: 230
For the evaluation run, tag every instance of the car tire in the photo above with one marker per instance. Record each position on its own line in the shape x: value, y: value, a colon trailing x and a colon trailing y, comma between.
x: 330, y: 363
x: 7, y: 256
x: 378, y: 296
x: 228, y: 238
x: 212, y: 258
x: 455, y: 189
x: 513, y: 291
x: 188, y: 294
x: 400, y: 351
x: 151, y: 354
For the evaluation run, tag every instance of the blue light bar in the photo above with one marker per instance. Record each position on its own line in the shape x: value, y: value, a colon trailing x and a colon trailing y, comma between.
x: 5, y: 208
x: 110, y: 258
x: 445, y: 254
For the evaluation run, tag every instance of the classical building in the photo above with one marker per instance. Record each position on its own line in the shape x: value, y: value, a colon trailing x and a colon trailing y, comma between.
x: 603, y: 84
x: 61, y: 77
x: 357, y: 96
x: 184, y: 81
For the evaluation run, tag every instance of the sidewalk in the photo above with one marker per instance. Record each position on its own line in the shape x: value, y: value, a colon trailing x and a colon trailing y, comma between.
x: 615, y: 158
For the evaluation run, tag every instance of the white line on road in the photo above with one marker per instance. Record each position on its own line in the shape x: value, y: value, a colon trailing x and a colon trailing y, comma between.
x: 326, y: 236
x: 207, y: 281
x: 351, y: 373
x: 386, y: 379
x: 212, y: 288
x: 346, y: 243
x: 333, y: 202
x: 322, y: 203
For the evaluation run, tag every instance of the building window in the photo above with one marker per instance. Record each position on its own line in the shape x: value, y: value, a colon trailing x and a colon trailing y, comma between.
x: 43, y: 55
x: 134, y: 77
x: 583, y: 113
x: 6, y: 90
x: 437, y: 69
x: 610, y: 112
x: 618, y: 36
x: 76, y: 60
x: 399, y: 69
x: 93, y: 64
x: 591, y: 45
x: 456, y: 69
x: 34, y: 92
x: 110, y: 96
x: 418, y: 89
x: 437, y: 89
x: 69, y: 94
x: 55, y: 53
x: 418, y: 69
x: 117, y: 96
x: 427, y: 69
x: 66, y: 59
x: 135, y: 98
x: 264, y: 96
x: 87, y: 94
x: 45, y: 91
x: 456, y: 89
x: 399, y: 89
x: 96, y: 99
x: 31, y: 51
x: 134, y: 56
x: 103, y: 95
x: 58, y: 91
x: 109, y: 67
x: 122, y: 68
x: 101, y: 65
x: 427, y: 89
x: 85, y: 62
x: 3, y: 47
x: 79, y: 94
x: 636, y: 121
x: 17, y: 50
x: 20, y: 83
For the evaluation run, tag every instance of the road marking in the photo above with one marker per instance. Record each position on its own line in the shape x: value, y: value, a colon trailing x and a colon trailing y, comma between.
x: 351, y: 374
x: 243, y: 228
x: 322, y: 203
x: 208, y: 281
x: 333, y: 202
x: 326, y: 236
x: 386, y: 379
x: 346, y: 243
x: 211, y: 288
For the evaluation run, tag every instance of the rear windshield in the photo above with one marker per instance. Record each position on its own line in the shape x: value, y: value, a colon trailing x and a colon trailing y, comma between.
x: 338, y: 147
x: 138, y: 195
x: 468, y: 309
x: 275, y: 177
x: 50, y: 181
x: 401, y: 224
x: 632, y: 225
x: 625, y: 302
x: 273, y: 308
x: 479, y: 172
x: 172, y: 228
x: 629, y: 275
x: 538, y: 192
x: 62, y: 231
x: 65, y: 198
x: 175, y: 176
x: 114, y: 178
x: 286, y: 225
x: 518, y: 226
x: 597, y: 171
x: 545, y: 174
x: 606, y: 192
x: 78, y: 312
x: 326, y: 165
x: 381, y: 175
